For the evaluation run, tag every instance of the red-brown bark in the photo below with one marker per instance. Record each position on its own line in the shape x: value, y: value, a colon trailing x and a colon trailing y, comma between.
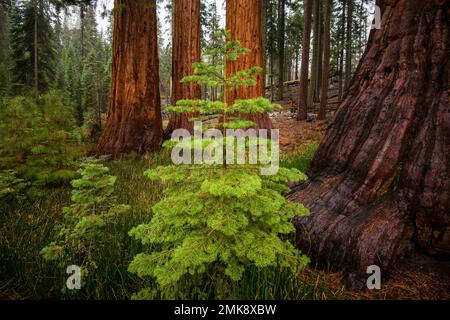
x: 326, y: 60
x: 134, y: 118
x: 244, y: 20
x: 302, y: 111
x: 185, y: 52
x: 349, y: 43
x: 379, y: 184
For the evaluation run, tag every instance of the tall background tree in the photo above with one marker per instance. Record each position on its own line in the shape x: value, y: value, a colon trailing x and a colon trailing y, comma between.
x: 5, y: 49
x: 294, y: 36
x: 33, y: 45
x: 281, y: 46
x: 379, y: 182
x: 313, y: 93
x: 185, y: 52
x: 165, y: 21
x: 349, y: 42
x: 95, y: 69
x: 270, y: 32
x: 134, y: 121
x: 211, y: 30
x: 341, y: 48
x: 302, y: 111
x: 326, y: 59
x: 84, y: 66
x: 244, y: 20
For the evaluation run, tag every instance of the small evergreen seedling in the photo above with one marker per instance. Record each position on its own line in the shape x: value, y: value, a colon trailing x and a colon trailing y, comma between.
x: 217, y: 220
x: 11, y: 187
x: 80, y: 237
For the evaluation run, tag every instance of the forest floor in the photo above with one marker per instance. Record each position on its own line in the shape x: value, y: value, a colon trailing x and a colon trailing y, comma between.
x: 294, y: 135
x: 24, y: 275
x: 418, y: 277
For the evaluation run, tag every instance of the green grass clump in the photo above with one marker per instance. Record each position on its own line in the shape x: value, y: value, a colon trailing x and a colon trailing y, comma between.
x: 301, y: 160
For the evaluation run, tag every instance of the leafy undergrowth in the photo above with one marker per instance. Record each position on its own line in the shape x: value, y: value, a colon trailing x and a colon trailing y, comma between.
x: 27, y: 228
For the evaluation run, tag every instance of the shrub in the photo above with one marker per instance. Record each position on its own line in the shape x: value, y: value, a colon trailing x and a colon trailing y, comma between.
x: 39, y: 138
x: 218, y: 220
x: 80, y: 237
x: 230, y: 216
x: 11, y: 187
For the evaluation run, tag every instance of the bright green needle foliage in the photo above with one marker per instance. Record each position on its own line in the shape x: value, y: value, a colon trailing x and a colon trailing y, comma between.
x: 80, y: 238
x: 205, y: 73
x: 215, y: 221
x: 212, y: 217
x: 39, y: 138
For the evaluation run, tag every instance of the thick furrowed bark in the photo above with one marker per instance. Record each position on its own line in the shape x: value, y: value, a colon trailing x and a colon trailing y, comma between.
x: 134, y: 118
x: 186, y: 51
x: 244, y: 22
x: 380, y: 181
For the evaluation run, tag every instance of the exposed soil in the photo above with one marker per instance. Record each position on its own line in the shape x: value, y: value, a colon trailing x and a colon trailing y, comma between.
x: 294, y: 134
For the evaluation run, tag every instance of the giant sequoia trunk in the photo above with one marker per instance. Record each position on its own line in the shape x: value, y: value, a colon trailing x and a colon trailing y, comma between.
x: 244, y: 20
x: 379, y: 184
x: 134, y: 118
x: 186, y: 51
